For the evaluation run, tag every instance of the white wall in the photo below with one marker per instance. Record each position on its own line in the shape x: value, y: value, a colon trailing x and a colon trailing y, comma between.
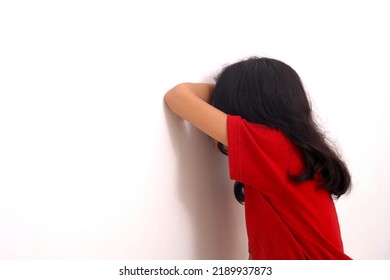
x: 93, y: 165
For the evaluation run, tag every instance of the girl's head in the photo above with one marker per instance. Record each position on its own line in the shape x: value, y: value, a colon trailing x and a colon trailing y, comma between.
x: 269, y: 92
x: 262, y: 90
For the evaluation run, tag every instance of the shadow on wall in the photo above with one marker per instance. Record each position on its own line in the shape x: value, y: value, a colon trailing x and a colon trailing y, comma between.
x: 204, y: 188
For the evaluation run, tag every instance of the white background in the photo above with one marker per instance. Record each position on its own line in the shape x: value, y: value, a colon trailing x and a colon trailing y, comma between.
x: 94, y: 166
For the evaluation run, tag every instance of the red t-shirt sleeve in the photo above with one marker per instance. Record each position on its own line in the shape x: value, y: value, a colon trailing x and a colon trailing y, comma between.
x: 258, y: 155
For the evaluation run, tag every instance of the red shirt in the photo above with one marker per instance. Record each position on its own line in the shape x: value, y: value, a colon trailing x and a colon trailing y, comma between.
x: 284, y: 219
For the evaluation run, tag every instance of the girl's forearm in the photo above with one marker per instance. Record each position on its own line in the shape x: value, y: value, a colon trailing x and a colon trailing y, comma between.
x: 202, y: 90
x: 192, y: 103
x: 183, y: 96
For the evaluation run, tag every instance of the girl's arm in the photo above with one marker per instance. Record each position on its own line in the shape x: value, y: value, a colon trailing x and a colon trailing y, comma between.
x: 192, y: 102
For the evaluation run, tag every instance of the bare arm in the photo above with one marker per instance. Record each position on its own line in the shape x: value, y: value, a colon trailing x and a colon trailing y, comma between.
x: 192, y: 102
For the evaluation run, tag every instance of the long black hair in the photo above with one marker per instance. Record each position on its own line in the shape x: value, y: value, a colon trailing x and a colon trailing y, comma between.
x: 269, y: 92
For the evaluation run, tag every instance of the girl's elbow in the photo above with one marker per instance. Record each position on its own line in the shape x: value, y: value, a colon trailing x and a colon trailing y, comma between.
x: 169, y: 97
x: 174, y: 94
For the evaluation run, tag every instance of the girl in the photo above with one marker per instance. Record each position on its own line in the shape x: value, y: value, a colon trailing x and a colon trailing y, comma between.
x: 259, y: 113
